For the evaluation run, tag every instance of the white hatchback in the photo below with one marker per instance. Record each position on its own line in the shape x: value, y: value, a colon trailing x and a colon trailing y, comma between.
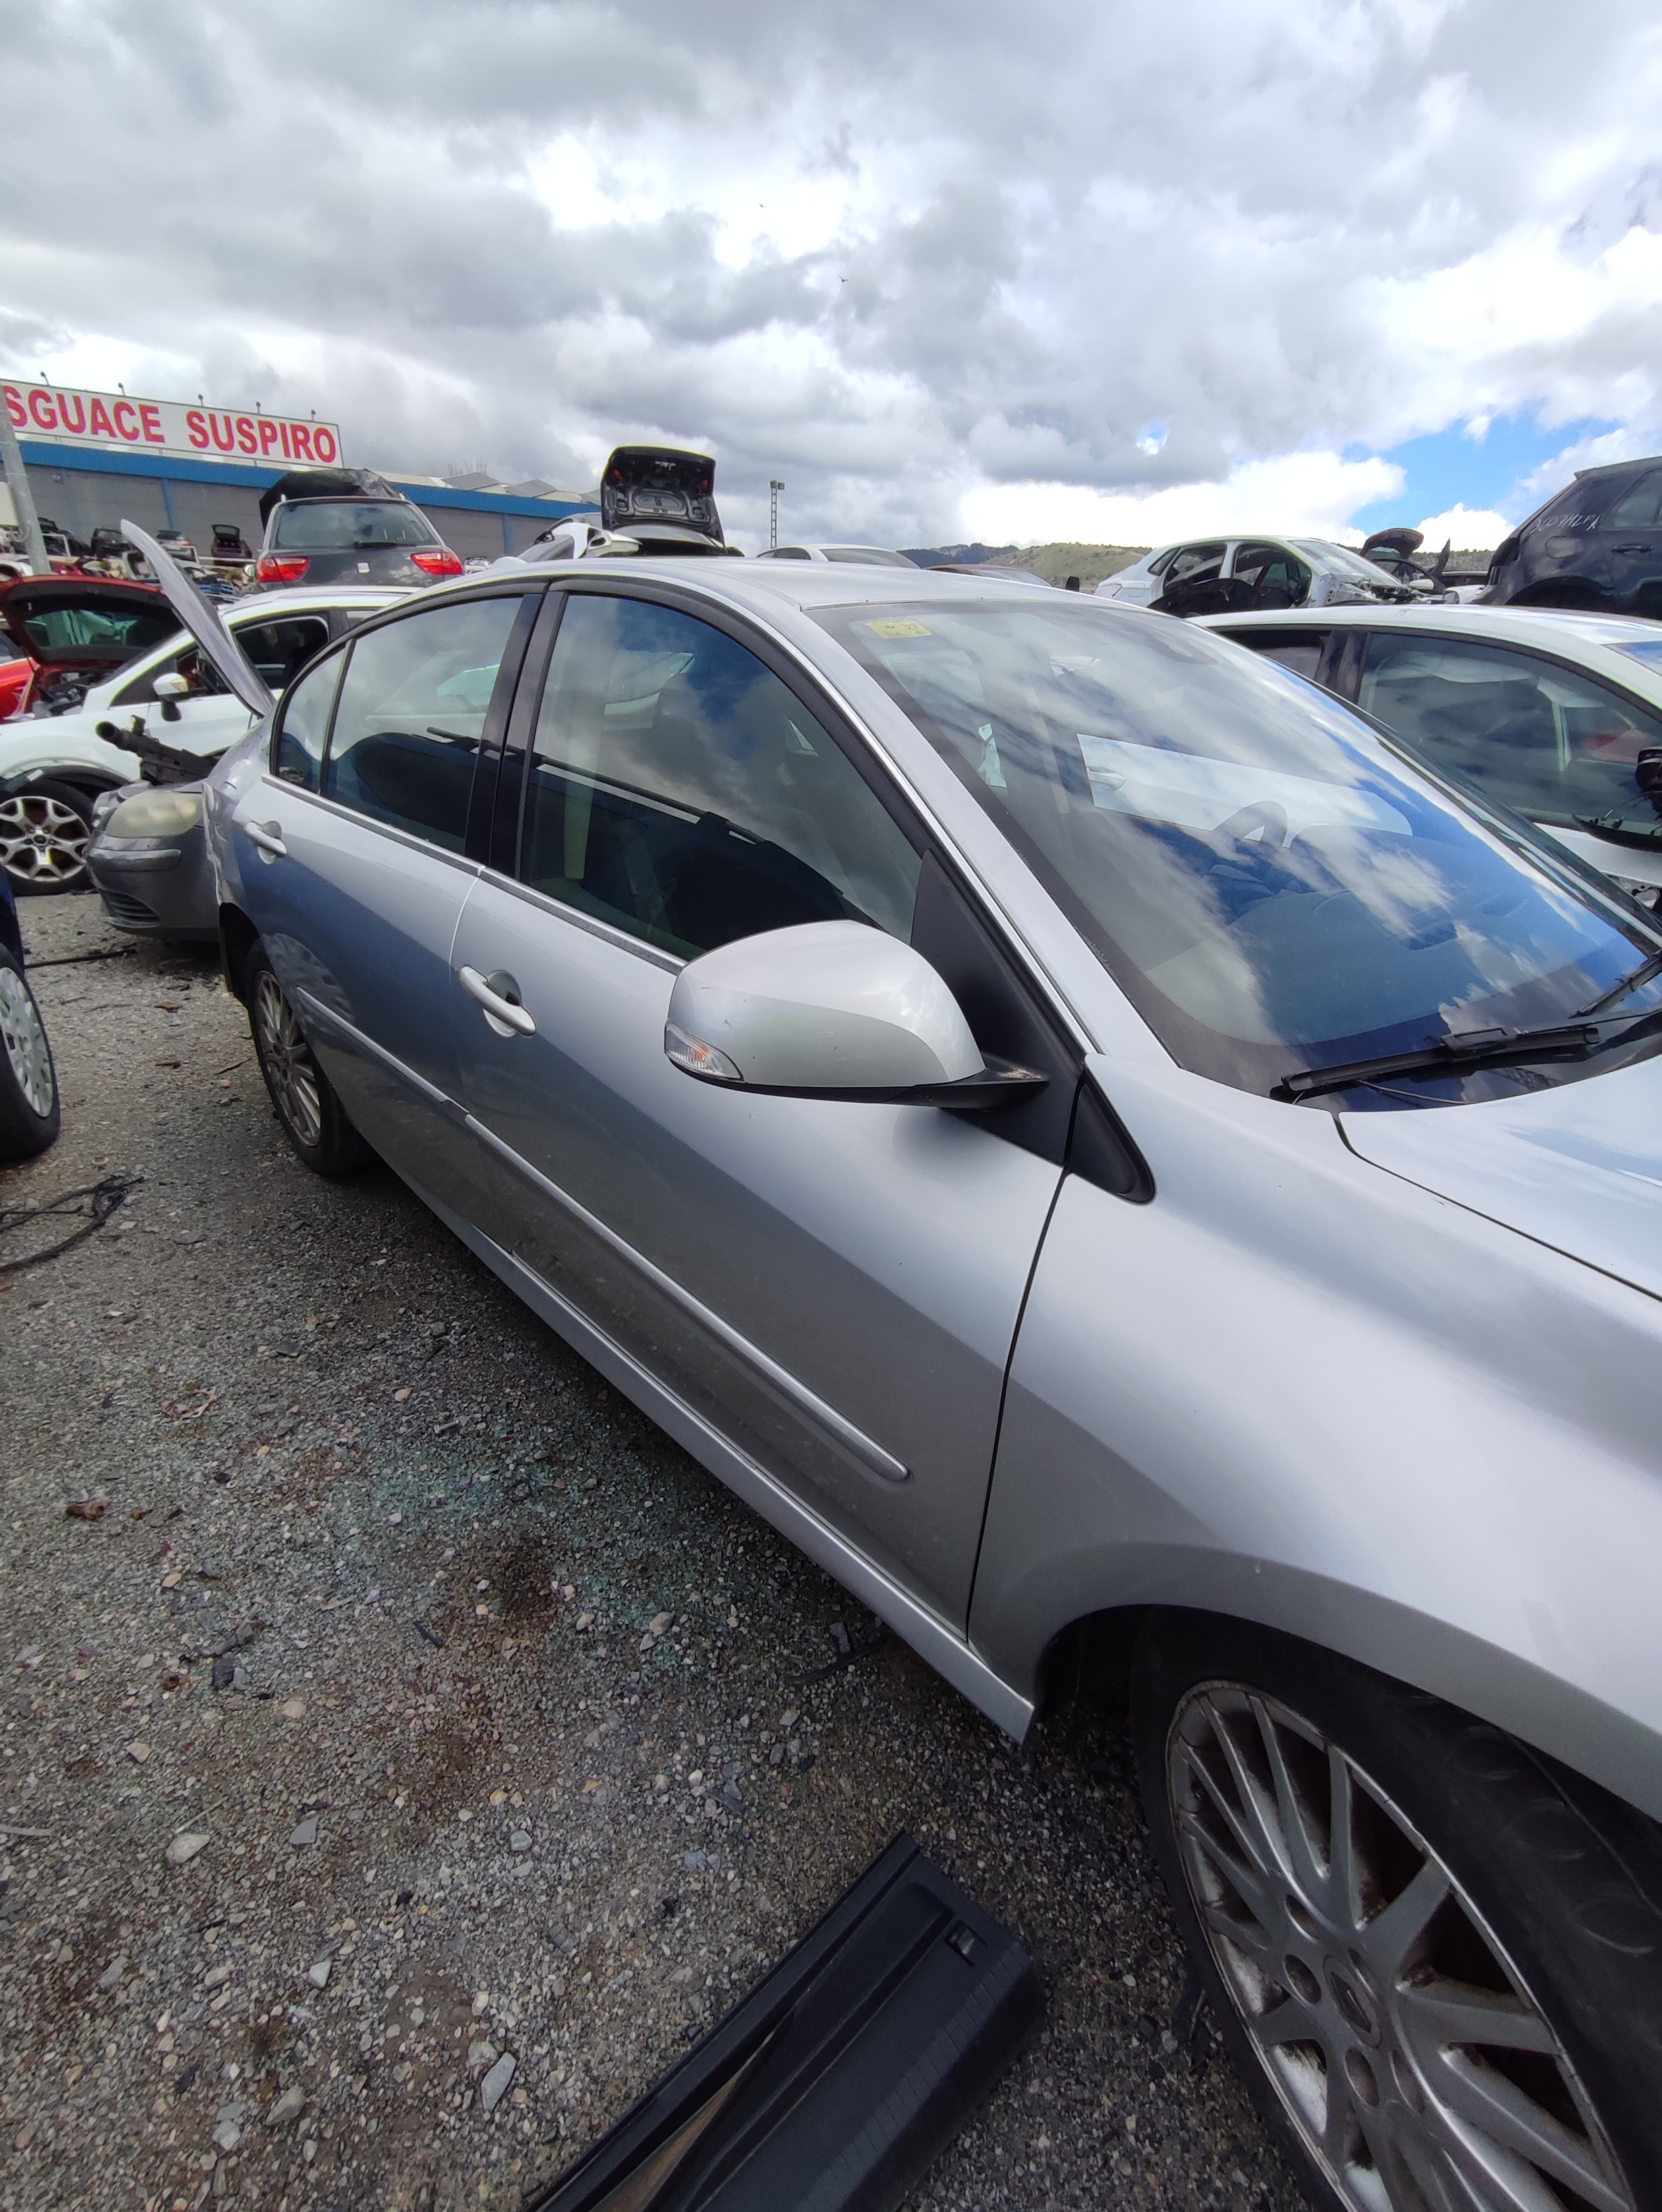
x: 53, y: 769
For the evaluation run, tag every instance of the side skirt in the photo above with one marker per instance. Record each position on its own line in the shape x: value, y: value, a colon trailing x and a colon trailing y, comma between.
x: 949, y: 1655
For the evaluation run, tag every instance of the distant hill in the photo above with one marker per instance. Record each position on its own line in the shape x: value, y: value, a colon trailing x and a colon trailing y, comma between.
x: 1055, y: 563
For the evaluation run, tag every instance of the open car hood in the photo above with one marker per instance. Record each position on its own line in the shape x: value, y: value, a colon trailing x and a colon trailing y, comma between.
x: 202, y: 619
x: 83, y: 622
x: 1579, y: 1167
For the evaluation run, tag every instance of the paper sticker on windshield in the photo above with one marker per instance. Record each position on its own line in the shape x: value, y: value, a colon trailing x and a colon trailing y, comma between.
x: 898, y: 629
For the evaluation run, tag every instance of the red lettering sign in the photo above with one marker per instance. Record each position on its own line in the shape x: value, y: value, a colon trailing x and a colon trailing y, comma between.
x: 247, y: 436
x: 150, y: 416
x: 66, y: 421
x: 302, y: 437
x: 227, y: 443
x: 126, y: 407
x: 43, y: 413
x: 15, y: 409
x: 268, y: 433
x: 99, y: 424
x: 196, y: 423
x: 324, y: 447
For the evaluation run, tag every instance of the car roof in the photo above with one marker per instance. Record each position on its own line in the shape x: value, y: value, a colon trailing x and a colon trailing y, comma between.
x: 1597, y: 640
x: 297, y: 599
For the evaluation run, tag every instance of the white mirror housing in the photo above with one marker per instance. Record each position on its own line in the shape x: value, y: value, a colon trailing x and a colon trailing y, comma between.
x: 831, y: 1009
x: 171, y: 686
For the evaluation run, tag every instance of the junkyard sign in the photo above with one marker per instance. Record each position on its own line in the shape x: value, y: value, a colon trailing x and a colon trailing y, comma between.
x: 111, y: 419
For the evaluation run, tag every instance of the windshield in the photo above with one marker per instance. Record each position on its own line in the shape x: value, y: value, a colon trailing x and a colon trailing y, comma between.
x: 326, y: 526
x: 1274, y: 885
x: 1342, y: 559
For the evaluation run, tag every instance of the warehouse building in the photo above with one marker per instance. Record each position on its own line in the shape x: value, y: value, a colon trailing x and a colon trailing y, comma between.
x: 94, y: 456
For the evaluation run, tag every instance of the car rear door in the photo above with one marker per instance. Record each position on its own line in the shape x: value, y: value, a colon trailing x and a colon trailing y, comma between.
x: 1629, y: 543
x: 351, y: 855
x: 829, y: 1289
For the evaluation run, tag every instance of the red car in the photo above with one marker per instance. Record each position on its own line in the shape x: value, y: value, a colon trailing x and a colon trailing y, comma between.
x: 72, y: 632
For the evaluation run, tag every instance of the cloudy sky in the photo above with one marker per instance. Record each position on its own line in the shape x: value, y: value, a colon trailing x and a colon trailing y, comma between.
x: 951, y: 269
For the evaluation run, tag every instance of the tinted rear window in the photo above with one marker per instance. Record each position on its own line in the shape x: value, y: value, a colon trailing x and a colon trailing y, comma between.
x: 343, y: 525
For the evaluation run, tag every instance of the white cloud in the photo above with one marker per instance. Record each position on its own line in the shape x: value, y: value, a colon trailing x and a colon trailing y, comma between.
x: 1300, y: 495
x: 1466, y: 528
x: 1125, y: 273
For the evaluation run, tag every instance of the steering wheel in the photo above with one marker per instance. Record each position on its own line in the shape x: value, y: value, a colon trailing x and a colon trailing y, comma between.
x: 1264, y: 816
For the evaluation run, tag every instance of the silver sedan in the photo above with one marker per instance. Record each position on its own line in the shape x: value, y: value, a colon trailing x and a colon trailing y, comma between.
x: 1133, y: 1176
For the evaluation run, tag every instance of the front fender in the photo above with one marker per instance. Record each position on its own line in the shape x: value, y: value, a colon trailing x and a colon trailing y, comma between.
x: 1297, y: 1389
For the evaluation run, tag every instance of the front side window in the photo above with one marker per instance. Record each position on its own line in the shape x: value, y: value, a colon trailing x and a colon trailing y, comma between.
x: 1299, y: 650
x: 1193, y: 560
x: 1270, y: 576
x: 1547, y: 740
x: 411, y: 717
x: 679, y: 790
x: 342, y: 525
x: 303, y: 725
x: 115, y: 633
x: 276, y: 649
x: 1274, y: 885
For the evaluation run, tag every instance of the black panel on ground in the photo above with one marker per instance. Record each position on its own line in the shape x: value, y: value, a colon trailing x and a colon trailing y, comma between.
x: 836, y: 2081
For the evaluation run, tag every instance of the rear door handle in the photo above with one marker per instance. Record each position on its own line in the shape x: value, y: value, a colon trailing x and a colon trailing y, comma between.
x: 265, y: 835
x: 498, y: 996
x: 1632, y: 549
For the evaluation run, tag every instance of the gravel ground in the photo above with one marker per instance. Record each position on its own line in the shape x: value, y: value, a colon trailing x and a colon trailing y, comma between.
x: 407, y: 1750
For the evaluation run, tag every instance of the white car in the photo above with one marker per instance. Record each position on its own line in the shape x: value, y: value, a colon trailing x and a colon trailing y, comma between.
x: 1240, y: 573
x: 54, y: 767
x: 868, y: 556
x: 1555, y: 715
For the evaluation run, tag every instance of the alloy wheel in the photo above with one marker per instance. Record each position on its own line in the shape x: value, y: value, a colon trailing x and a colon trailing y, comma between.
x: 25, y: 1042
x: 287, y: 1061
x: 1408, y: 2052
x: 43, y: 840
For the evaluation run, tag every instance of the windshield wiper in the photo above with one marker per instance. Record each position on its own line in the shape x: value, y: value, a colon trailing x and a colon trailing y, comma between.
x: 1615, y: 829
x: 1641, y: 973
x: 1464, y: 1048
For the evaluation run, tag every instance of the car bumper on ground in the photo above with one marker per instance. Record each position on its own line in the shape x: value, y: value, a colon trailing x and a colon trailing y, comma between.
x: 156, y: 887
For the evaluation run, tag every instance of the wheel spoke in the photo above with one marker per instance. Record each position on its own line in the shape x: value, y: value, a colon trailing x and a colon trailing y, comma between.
x: 1437, y: 2014
x: 1390, y: 1936
x: 1281, y: 2024
x: 1248, y: 1834
x: 1505, y: 2129
x: 1251, y: 1892
x: 1298, y: 1845
x: 1271, y: 1854
x: 1252, y: 1942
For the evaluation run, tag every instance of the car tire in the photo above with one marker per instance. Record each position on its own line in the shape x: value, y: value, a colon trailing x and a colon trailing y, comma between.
x: 302, y: 1098
x: 29, y: 1105
x: 44, y: 830
x: 1486, y: 1988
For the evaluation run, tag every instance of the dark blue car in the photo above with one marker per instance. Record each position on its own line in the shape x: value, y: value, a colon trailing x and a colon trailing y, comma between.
x: 28, y: 1081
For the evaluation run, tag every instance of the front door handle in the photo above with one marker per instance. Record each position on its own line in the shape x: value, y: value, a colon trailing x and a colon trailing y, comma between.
x: 265, y: 835
x: 498, y: 996
x: 1632, y: 549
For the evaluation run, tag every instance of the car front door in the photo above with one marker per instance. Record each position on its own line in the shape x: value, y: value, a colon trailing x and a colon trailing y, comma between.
x: 831, y: 1288
x: 351, y: 853
x: 209, y: 718
x: 1267, y: 576
x: 1628, y: 540
x: 1193, y: 582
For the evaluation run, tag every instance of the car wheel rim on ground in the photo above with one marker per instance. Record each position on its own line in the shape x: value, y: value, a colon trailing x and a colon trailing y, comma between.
x: 286, y: 1059
x: 1406, y: 2049
x: 43, y: 841
x: 25, y: 1041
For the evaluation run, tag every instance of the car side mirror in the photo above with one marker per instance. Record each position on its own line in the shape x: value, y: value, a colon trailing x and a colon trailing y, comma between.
x: 832, y: 1010
x: 170, y: 690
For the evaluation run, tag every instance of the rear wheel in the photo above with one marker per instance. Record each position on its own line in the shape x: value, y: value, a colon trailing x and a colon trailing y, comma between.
x: 45, y: 831
x: 1436, y: 1962
x: 29, y: 1107
x: 312, y: 1116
